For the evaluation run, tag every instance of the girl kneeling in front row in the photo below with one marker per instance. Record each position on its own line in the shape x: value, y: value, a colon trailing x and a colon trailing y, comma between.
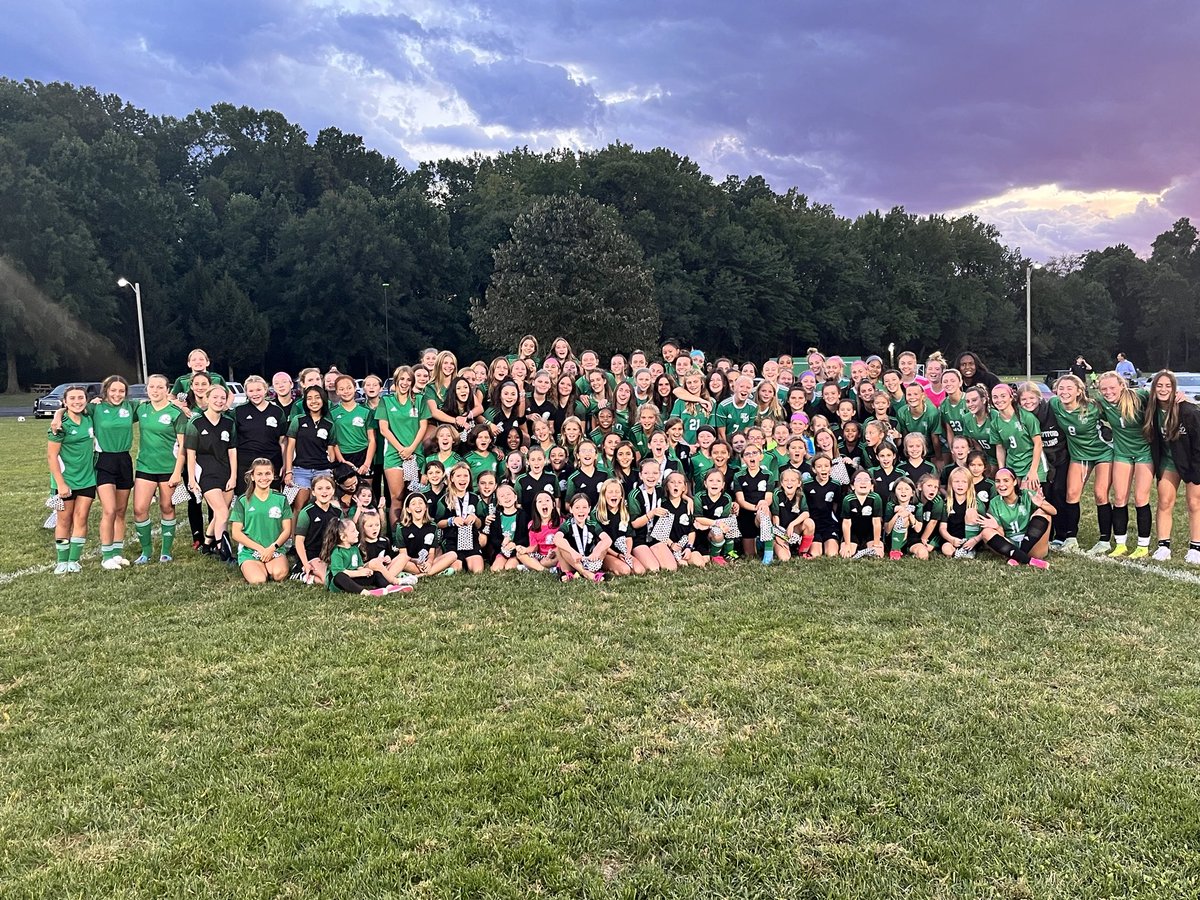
x: 261, y: 523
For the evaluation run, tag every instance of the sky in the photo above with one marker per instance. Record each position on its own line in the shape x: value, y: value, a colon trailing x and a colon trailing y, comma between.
x: 1069, y: 124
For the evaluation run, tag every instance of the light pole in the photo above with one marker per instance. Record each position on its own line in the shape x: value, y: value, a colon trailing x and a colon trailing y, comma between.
x: 137, y: 296
x: 891, y: 356
x: 1029, y: 319
x: 387, y: 329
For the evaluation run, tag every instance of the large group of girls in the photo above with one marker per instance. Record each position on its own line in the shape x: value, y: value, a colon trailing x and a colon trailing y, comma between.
x: 554, y: 463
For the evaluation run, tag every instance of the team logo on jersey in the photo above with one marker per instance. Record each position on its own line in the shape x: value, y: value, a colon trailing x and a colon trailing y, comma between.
x: 429, y: 539
x: 322, y: 433
x: 274, y: 513
x: 358, y: 422
x: 272, y: 421
x: 866, y: 510
x: 683, y: 520
x: 762, y: 485
x: 717, y: 511
x: 622, y: 527
x: 205, y: 431
x: 225, y: 435
x: 354, y: 563
x: 164, y: 419
x: 829, y: 496
x: 123, y: 413
x: 412, y: 412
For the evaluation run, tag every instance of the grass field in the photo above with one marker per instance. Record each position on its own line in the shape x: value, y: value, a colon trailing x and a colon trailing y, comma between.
x: 825, y: 729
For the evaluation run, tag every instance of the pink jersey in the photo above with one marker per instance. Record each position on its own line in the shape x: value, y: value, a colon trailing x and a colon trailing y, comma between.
x: 542, y: 540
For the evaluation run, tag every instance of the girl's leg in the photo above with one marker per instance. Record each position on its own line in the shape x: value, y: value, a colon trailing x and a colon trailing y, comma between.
x: 665, y: 559
x: 1121, y: 478
x: 1168, y: 487
x: 699, y: 560
x: 254, y: 572
x: 319, y: 569
x: 948, y: 550
x: 441, y: 562
x: 782, y: 552
x: 350, y: 585
x: 1037, y: 536
x: 195, y: 513
x: 278, y: 568
x: 1104, y: 510
x: 920, y: 551
x: 614, y: 564
x: 1077, y: 475
x: 166, y: 511
x: 118, y: 535
x: 107, y: 494
x: 64, y: 525
x: 1143, y: 480
x: 645, y: 556
x: 395, y: 485
x: 1193, y: 508
x: 533, y: 565
x: 748, y: 549
x: 475, y: 564
x: 143, y: 494
x: 298, y: 504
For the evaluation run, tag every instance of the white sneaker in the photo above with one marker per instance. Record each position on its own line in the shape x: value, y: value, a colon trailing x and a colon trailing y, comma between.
x: 1100, y: 549
x: 1193, y: 557
x: 1056, y: 546
x: 111, y: 564
x: 74, y: 568
x: 122, y: 561
x: 61, y: 569
x: 1071, y: 545
x: 1162, y: 554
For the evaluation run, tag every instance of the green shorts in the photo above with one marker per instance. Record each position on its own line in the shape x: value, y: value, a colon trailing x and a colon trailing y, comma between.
x: 1133, y: 459
x: 1168, y: 462
x: 245, y: 556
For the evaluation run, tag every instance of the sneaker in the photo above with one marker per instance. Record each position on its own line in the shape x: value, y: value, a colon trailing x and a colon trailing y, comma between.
x: 196, y: 545
x: 521, y: 567
x: 598, y: 578
x: 1056, y: 546
x: 111, y: 564
x: 141, y: 560
x: 733, y: 556
x: 964, y: 553
x: 1071, y: 545
x: 1193, y: 557
x: 768, y: 558
x: 1118, y: 551
x: 122, y: 560
x: 74, y: 568
x: 1139, y: 552
x: 165, y: 558
x: 1101, y: 548
x: 1162, y: 554
x: 1039, y: 563
x: 719, y: 561
x: 398, y: 589
x: 61, y: 569
x: 377, y: 592
x: 895, y: 554
x: 1013, y: 562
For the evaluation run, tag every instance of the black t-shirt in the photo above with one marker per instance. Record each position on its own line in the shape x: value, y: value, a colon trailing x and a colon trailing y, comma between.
x: 683, y: 524
x: 885, y: 481
x: 804, y: 470
x: 587, y: 484
x: 259, y: 431
x: 312, y: 443
x: 915, y: 472
x: 530, y: 487
x: 753, y: 488
x: 415, y: 538
x: 860, y: 514
x: 535, y: 410
x: 582, y: 538
x: 381, y: 546
x: 212, y: 443
x: 824, y: 501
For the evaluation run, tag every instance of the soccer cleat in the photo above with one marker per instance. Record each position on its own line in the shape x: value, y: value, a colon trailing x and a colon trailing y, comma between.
x: 122, y: 560
x: 1193, y: 557
x: 61, y: 569
x: 719, y: 561
x: 1056, y: 546
x: 111, y: 564
x: 164, y: 559
x: 1100, y: 549
x: 1139, y: 552
x: 141, y: 560
x: 598, y: 578
x: 768, y: 557
x: 74, y: 568
x: 1071, y: 545
x: 895, y: 554
x: 1039, y: 563
x: 1162, y: 554
x: 1013, y: 562
x: 1118, y: 551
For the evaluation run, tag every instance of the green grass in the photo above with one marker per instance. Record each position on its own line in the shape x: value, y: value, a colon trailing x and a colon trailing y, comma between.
x: 820, y: 730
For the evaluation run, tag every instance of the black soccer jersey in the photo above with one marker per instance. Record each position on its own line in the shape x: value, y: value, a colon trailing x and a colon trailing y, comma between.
x: 259, y: 431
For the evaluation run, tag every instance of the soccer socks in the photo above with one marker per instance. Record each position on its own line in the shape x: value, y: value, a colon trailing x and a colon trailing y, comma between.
x: 1071, y: 523
x: 1034, y: 531
x: 106, y: 552
x: 1005, y: 548
x: 62, y: 551
x: 1143, y: 525
x: 1104, y: 519
x: 76, y: 549
x: 1120, y: 524
x: 168, y: 536
x: 144, y: 538
x: 806, y: 543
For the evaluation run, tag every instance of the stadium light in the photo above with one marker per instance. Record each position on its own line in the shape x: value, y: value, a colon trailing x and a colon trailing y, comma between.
x: 137, y: 295
x: 1029, y: 319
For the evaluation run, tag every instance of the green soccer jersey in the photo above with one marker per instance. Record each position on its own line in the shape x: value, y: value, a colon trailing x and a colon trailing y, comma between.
x: 341, y: 560
x: 113, y: 424
x: 640, y: 438
x: 183, y: 383
x: 691, y: 420
x: 928, y: 423
x: 700, y: 466
x: 1082, y: 427
x: 980, y: 431
x: 954, y: 415
x: 261, y: 519
x: 1013, y: 517
x: 404, y: 419
x: 76, y: 444
x: 1129, y: 444
x: 352, y: 426
x: 1016, y: 436
x: 158, y: 433
x: 734, y: 418
x: 480, y: 463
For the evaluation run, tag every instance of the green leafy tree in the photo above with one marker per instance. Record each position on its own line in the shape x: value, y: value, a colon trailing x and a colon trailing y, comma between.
x: 229, y: 327
x: 569, y: 269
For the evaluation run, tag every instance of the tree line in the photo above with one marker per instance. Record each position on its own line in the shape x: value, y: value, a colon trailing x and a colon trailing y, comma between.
x: 273, y: 251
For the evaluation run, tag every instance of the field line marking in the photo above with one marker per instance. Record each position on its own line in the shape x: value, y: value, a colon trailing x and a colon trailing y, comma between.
x: 1173, y: 574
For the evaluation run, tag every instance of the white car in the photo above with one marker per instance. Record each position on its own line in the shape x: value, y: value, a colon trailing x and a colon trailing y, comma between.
x: 1189, y: 383
x: 237, y: 393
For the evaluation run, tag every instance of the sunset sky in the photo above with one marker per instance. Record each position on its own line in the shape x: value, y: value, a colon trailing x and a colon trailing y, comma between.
x: 1070, y: 125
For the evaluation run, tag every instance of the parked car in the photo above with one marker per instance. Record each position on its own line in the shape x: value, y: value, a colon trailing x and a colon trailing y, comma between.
x: 136, y: 392
x: 237, y: 393
x: 1189, y: 383
x: 45, y: 406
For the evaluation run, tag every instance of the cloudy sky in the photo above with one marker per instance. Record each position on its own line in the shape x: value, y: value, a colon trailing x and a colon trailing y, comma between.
x: 1070, y: 124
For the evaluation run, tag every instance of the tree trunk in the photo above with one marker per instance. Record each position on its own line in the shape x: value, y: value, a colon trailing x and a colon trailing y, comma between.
x: 13, y: 387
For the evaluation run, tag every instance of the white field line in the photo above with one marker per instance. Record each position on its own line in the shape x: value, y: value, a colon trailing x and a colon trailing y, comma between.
x: 1173, y: 574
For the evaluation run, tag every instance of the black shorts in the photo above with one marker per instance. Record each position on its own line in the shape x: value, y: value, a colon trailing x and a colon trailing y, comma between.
x: 827, y: 531
x: 156, y: 478
x: 76, y: 493
x: 747, y: 521
x: 356, y: 458
x: 213, y: 481
x: 115, y: 468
